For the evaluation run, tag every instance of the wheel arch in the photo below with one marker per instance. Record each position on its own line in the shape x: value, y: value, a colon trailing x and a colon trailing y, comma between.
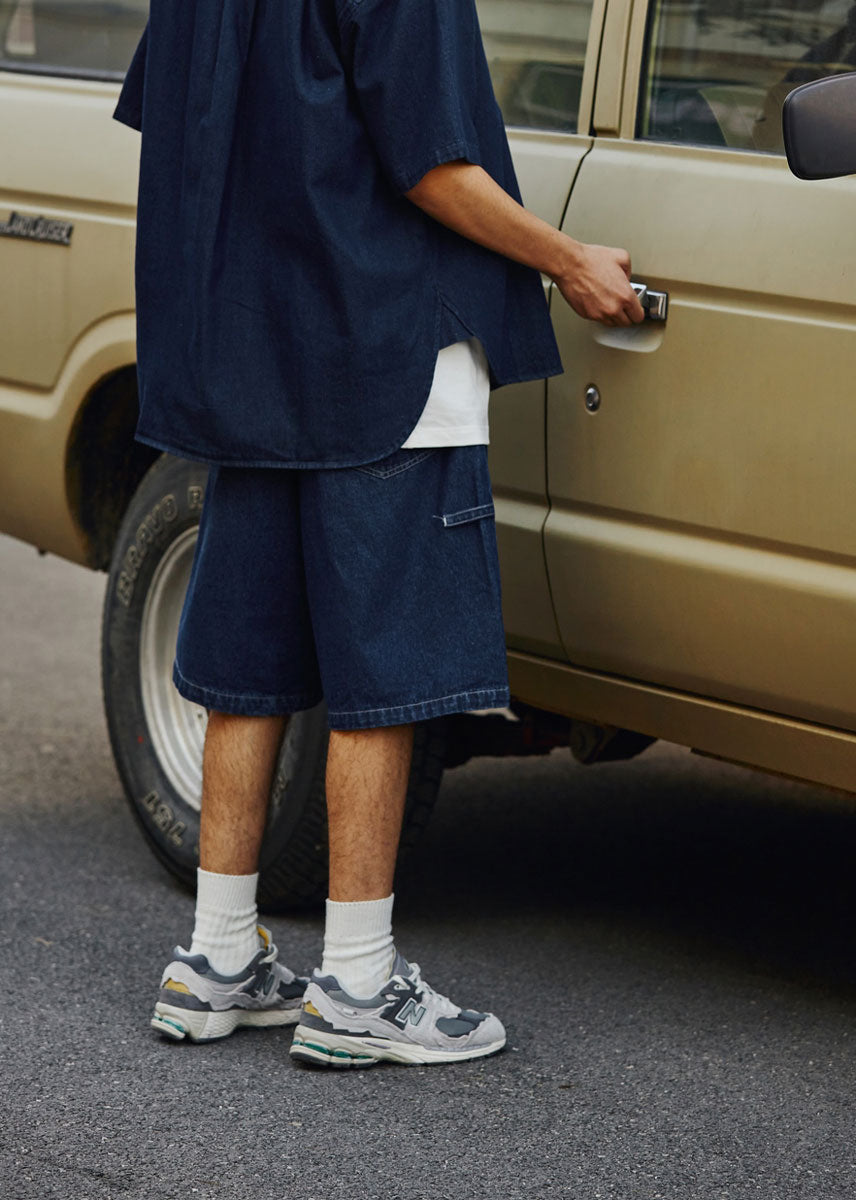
x: 104, y: 464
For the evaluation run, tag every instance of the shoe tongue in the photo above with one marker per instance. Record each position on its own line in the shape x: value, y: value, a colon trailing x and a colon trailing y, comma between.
x: 401, y: 966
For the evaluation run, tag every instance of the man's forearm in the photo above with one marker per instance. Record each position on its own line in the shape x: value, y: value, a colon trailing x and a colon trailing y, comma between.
x: 593, y: 279
x: 466, y: 199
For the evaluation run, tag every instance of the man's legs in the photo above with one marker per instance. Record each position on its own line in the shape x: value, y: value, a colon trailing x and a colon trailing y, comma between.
x: 368, y: 1004
x: 237, y: 768
x: 231, y: 975
x: 367, y: 772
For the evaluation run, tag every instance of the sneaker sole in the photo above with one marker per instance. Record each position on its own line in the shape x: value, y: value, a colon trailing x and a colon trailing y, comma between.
x: 320, y: 1049
x: 180, y: 1023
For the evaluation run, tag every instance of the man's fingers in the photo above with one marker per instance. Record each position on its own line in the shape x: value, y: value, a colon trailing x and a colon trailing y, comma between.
x: 631, y: 313
x: 636, y: 312
x: 627, y: 312
x: 601, y: 290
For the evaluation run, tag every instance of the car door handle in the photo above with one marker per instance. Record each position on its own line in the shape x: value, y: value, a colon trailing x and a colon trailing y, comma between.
x: 656, y: 304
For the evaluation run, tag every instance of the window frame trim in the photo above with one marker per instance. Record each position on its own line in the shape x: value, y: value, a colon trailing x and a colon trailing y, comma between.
x: 591, y: 69
x: 635, y: 57
x: 611, y: 86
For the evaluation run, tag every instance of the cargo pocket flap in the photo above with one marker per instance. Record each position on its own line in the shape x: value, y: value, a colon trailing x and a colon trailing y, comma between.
x: 467, y: 514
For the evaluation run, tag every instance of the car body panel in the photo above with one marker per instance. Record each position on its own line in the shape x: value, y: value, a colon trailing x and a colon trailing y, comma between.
x: 700, y: 533
x: 546, y: 163
x: 68, y: 321
x: 35, y: 427
x: 748, y: 736
x: 517, y: 426
x: 77, y: 165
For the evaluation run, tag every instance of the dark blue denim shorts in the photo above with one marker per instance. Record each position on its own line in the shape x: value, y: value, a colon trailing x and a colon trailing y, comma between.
x: 375, y: 588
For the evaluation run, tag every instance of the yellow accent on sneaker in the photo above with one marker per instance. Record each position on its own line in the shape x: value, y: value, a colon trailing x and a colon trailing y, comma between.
x: 264, y: 935
x: 174, y: 986
x: 310, y: 1008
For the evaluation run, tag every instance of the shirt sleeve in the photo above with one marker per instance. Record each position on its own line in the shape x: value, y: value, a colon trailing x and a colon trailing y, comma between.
x: 417, y: 67
x: 129, y: 109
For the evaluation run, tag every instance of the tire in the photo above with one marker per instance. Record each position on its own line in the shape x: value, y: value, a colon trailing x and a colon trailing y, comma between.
x: 157, y: 736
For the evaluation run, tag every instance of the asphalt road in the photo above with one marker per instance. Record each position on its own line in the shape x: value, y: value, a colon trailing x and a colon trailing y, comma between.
x: 670, y: 942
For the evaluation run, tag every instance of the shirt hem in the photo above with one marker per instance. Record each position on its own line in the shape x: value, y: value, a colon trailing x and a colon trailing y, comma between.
x: 212, y: 459
x: 434, y: 439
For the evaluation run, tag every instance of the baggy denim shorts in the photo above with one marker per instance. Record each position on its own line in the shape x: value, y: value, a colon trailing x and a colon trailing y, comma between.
x: 375, y: 588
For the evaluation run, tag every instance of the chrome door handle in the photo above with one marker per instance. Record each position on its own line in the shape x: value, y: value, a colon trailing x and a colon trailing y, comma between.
x: 656, y: 304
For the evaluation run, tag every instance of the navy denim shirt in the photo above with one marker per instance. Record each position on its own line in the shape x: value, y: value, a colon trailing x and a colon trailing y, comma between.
x: 290, y: 300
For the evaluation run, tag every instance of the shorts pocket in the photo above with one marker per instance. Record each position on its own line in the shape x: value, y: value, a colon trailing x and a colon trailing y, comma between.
x: 395, y: 463
x: 464, y: 515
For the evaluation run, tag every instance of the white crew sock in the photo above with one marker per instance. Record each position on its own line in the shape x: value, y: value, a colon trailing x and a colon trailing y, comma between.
x: 358, y: 947
x: 226, y: 920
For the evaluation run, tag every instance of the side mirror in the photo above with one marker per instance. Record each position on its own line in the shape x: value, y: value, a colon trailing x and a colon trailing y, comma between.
x: 819, y: 124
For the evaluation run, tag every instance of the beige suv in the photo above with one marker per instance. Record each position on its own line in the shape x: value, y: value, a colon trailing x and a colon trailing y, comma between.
x: 675, y: 512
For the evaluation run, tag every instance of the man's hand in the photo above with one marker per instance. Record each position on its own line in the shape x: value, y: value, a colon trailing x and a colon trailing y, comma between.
x: 595, y: 280
x: 596, y: 284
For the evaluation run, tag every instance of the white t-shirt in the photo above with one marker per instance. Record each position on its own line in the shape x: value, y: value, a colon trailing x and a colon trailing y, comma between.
x: 455, y: 413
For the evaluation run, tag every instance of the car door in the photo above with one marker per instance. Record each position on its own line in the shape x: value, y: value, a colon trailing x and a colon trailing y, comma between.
x: 543, y: 60
x: 701, y: 472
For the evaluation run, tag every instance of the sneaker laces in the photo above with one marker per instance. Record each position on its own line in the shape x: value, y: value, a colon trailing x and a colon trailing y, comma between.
x: 279, y: 969
x: 440, y: 1005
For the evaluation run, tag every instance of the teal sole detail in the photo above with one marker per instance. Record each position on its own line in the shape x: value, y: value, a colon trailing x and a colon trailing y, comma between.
x: 317, y: 1055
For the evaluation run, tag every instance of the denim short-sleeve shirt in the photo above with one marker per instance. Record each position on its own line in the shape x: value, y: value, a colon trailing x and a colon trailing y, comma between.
x: 290, y: 300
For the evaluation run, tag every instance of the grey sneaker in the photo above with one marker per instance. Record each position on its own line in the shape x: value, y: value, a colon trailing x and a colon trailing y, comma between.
x: 406, y: 1022
x: 195, y: 1002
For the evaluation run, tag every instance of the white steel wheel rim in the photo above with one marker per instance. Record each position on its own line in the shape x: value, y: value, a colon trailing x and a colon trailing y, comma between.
x: 176, y: 727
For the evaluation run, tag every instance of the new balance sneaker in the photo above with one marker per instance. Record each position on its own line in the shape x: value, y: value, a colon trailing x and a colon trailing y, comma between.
x: 195, y: 1002
x: 406, y: 1022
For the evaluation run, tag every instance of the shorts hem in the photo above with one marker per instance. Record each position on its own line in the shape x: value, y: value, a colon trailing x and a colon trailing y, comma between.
x: 422, y: 710
x: 243, y: 704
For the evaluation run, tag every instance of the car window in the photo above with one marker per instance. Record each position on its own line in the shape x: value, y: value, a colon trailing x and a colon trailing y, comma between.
x: 718, y: 70
x: 93, y: 38
x: 536, y: 50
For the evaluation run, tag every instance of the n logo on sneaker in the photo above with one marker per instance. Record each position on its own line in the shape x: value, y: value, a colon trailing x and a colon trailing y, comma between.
x: 411, y: 1012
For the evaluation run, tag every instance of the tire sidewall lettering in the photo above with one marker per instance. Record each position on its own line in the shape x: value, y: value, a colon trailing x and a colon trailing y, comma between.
x: 152, y: 530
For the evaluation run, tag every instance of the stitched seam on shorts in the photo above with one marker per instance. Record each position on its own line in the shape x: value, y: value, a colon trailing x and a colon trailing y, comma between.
x: 465, y: 515
x: 419, y: 456
x: 289, y: 698
x: 363, y: 712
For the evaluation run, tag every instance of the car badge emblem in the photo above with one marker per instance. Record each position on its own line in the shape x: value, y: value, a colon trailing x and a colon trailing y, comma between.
x: 37, y: 229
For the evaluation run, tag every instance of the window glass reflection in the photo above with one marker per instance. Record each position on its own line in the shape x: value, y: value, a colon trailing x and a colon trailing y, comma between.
x: 536, y: 51
x: 70, y: 37
x: 719, y: 70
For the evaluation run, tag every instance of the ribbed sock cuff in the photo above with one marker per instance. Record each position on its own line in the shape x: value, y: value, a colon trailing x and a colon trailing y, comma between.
x: 226, y: 920
x: 358, y: 945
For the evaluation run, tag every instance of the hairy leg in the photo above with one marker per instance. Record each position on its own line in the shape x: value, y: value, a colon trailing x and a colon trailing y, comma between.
x: 237, y: 769
x: 367, y: 773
